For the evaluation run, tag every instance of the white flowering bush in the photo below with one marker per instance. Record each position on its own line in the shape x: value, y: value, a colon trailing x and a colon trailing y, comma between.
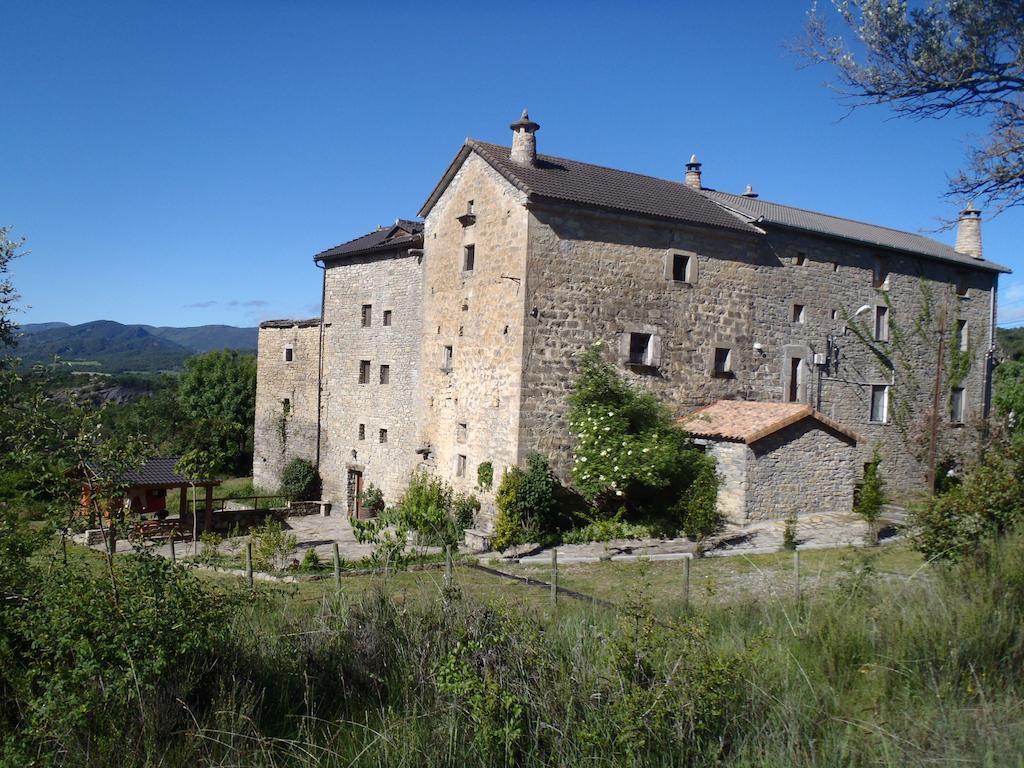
x: 628, y: 452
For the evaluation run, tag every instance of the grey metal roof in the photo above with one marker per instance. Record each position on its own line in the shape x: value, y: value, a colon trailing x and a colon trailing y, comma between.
x: 158, y: 471
x: 556, y: 178
x: 762, y: 212
x: 404, y: 232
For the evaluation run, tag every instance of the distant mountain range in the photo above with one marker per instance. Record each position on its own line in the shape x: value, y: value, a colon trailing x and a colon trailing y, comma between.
x: 110, y: 347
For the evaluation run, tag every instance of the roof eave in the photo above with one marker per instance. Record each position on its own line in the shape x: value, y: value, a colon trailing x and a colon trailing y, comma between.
x: 982, y: 265
x: 326, y: 256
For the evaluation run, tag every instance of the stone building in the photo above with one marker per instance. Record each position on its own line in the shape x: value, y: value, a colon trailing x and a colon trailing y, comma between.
x: 775, y: 459
x: 525, y: 260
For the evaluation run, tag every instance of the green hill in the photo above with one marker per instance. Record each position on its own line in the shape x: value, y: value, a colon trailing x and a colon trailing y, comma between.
x: 110, y: 347
x: 1011, y: 342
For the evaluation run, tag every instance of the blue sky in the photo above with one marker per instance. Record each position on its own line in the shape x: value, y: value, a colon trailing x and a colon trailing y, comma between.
x: 180, y: 163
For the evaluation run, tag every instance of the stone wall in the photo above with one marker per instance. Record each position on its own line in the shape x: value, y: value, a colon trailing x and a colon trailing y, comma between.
x: 597, y: 278
x: 837, y: 279
x: 392, y: 282
x: 731, y: 467
x: 472, y: 410
x: 804, y: 468
x: 283, y: 432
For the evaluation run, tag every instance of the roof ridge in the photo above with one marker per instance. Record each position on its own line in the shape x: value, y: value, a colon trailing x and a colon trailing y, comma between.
x: 594, y: 165
x: 829, y: 215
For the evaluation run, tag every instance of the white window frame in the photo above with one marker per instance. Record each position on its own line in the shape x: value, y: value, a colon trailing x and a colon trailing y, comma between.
x: 957, y: 411
x: 884, y: 389
x: 882, y: 322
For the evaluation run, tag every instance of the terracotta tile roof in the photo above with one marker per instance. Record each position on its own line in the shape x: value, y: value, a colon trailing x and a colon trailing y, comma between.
x: 404, y: 232
x: 761, y: 212
x: 747, y: 421
x: 559, y: 179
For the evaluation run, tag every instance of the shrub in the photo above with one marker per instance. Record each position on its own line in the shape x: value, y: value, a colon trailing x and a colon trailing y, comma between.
x: 871, y: 497
x: 789, y: 540
x: 628, y: 451
x: 699, y: 516
x: 300, y: 481
x: 211, y: 547
x: 987, y: 504
x: 485, y: 475
x: 271, y: 545
x: 372, y: 499
x: 464, y: 509
x: 311, y: 562
x: 606, y: 530
x: 527, y: 504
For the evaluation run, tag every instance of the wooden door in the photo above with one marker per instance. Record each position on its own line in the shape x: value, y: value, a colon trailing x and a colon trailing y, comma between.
x: 355, y: 493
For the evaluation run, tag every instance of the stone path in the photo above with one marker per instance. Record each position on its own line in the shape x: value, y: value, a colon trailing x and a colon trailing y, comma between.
x: 822, y: 531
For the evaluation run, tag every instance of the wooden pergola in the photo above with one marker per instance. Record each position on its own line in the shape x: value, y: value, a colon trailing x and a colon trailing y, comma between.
x: 146, y: 490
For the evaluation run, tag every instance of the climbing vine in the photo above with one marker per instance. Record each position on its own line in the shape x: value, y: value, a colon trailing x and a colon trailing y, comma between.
x: 899, y: 355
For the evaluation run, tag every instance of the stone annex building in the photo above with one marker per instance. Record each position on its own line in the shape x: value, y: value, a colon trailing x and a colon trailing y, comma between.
x: 450, y: 341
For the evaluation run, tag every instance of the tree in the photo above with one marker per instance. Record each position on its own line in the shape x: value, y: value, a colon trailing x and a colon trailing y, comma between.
x: 1008, y: 394
x: 953, y: 57
x: 218, y: 392
x: 9, y: 250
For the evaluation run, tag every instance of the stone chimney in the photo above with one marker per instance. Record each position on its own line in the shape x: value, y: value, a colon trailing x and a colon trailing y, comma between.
x: 968, y: 232
x: 524, y: 143
x: 693, y: 173
x: 749, y: 191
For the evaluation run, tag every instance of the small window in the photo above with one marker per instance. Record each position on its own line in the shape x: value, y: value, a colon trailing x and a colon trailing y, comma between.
x: 961, y: 335
x: 835, y: 314
x: 469, y: 206
x: 383, y: 435
x: 880, y: 277
x: 961, y: 283
x: 446, y: 359
x: 798, y: 313
x: 460, y: 465
x: 468, y: 258
x: 835, y: 266
x: 289, y: 354
x: 362, y: 431
x: 881, y: 323
x: 639, y: 348
x: 364, y: 371
x: 681, y: 267
x: 800, y: 259
x: 796, y: 380
x: 286, y: 407
x: 385, y: 374
x: 367, y: 312
x: 956, y: 405
x: 723, y: 362
x: 461, y: 431
x: 879, y: 403
x: 386, y: 320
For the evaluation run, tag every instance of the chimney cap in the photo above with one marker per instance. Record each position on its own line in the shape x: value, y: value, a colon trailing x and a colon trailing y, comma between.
x: 694, y: 164
x: 970, y: 211
x: 749, y: 191
x: 525, y: 123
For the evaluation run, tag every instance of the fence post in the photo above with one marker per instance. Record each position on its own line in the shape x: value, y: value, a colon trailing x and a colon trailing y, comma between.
x: 554, y: 576
x: 174, y: 556
x: 248, y: 563
x: 337, y: 567
x: 796, y: 573
x: 447, y: 566
x: 686, y: 581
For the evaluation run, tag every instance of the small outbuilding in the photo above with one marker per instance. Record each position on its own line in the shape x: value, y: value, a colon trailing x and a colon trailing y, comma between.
x: 776, y: 459
x: 145, y: 490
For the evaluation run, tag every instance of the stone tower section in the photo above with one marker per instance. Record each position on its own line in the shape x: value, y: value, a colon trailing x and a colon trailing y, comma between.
x: 371, y: 373
x: 286, y: 398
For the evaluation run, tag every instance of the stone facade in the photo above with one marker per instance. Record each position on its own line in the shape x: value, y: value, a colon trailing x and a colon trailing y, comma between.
x: 511, y: 287
x: 802, y: 468
x: 471, y: 409
x: 287, y: 360
x: 383, y: 449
